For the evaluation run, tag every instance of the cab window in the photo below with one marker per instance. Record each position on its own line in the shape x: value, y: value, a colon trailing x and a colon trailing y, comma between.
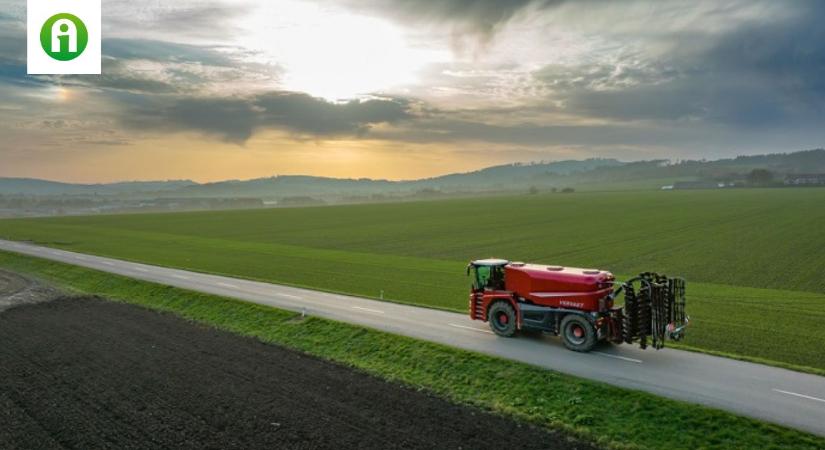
x: 482, y: 277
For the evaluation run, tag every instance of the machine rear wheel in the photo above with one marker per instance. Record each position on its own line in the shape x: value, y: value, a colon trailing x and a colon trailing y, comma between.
x: 502, y: 318
x: 577, y: 333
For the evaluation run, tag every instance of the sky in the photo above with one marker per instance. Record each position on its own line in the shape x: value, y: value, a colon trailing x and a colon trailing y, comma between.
x: 403, y: 89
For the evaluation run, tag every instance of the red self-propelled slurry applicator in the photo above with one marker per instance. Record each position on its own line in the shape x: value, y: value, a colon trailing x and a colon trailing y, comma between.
x: 577, y: 304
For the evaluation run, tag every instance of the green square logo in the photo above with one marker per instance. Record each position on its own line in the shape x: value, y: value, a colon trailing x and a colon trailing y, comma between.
x: 63, y: 36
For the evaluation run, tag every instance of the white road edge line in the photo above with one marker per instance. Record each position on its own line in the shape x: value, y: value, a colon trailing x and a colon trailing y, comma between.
x: 227, y: 285
x: 140, y: 269
x: 79, y: 257
x: 623, y: 358
x: 289, y: 296
x: 376, y: 311
x: 108, y: 263
x: 800, y: 395
x: 469, y: 328
x: 182, y: 277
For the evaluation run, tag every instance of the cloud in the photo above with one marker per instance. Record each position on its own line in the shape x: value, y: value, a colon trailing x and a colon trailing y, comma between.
x: 303, y: 113
x: 236, y: 119
x: 233, y: 119
x: 167, y: 52
x: 12, y: 40
x: 481, y: 17
x: 784, y: 58
x: 159, y: 67
x: 120, y: 79
x: 622, y: 93
x: 137, y: 65
x: 162, y: 65
x: 634, y: 140
x: 756, y: 73
x: 182, y: 19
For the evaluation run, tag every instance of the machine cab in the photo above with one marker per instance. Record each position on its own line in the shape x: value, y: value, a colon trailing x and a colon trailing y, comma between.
x: 487, y: 274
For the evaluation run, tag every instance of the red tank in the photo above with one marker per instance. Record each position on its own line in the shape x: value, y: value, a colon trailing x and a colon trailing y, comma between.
x: 560, y: 287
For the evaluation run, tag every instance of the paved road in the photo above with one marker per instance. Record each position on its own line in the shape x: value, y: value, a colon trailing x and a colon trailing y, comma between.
x: 776, y: 395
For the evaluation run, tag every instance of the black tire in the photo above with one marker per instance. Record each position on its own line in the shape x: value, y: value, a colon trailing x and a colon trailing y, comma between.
x: 502, y: 318
x: 577, y: 333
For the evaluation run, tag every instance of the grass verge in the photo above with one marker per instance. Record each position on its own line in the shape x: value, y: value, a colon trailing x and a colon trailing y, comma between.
x: 610, y: 416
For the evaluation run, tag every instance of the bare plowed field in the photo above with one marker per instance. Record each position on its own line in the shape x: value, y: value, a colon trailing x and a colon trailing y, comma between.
x: 88, y: 373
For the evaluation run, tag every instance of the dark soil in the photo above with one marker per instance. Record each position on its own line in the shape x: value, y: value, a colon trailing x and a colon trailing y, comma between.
x: 86, y: 373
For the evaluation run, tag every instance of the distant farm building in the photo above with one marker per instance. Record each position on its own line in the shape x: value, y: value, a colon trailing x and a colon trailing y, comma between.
x: 809, y: 179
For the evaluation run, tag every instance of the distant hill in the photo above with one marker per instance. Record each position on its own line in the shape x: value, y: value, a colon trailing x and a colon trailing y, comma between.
x: 496, y: 177
x: 517, y: 173
x: 603, y: 173
x: 33, y: 186
x: 730, y: 169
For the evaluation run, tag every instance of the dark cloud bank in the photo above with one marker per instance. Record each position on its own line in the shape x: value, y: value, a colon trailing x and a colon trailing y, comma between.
x: 236, y: 119
x: 765, y: 73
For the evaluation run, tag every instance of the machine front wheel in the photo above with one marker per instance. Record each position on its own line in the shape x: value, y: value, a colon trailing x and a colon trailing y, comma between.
x: 577, y: 333
x: 502, y: 318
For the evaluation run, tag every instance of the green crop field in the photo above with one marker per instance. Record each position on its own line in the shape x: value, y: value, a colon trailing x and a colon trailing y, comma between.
x: 753, y: 258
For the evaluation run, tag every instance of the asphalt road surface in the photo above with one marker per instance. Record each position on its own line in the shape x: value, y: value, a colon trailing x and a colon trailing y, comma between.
x: 776, y: 395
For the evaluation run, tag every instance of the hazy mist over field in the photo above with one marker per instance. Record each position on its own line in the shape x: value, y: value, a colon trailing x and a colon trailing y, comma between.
x: 401, y: 89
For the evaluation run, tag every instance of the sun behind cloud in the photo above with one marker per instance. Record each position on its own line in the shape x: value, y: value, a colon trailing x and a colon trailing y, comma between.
x: 335, y: 54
